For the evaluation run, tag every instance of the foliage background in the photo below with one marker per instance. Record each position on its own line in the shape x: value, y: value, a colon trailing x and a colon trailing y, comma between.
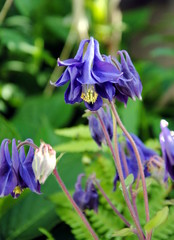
x: 33, y: 35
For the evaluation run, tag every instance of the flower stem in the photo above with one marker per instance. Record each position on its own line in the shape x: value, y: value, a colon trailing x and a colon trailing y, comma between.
x: 120, y: 173
x: 27, y: 143
x: 131, y: 191
x: 5, y: 10
x: 110, y: 203
x: 62, y: 185
x: 138, y: 159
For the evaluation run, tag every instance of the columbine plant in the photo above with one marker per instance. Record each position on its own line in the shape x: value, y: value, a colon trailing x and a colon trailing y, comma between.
x: 95, y: 79
x: 98, y: 81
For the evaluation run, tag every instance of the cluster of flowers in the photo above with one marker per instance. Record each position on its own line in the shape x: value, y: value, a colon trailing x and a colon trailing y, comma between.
x: 20, y: 171
x: 88, y: 198
x: 94, y: 77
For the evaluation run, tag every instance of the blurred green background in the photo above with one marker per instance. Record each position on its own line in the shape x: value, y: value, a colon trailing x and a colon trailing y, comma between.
x: 33, y: 34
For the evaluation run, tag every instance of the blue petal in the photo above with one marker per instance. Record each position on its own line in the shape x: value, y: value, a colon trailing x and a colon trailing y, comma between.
x: 95, y: 106
x: 106, y: 72
x: 69, y: 62
x: 15, y: 156
x: 27, y: 175
x: 105, y: 90
x: 79, y: 54
x: 7, y: 175
x: 74, y: 90
x: 64, y: 78
x: 96, y: 130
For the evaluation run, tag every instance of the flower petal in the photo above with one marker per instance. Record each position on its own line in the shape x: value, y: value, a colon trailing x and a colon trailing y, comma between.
x: 95, y: 106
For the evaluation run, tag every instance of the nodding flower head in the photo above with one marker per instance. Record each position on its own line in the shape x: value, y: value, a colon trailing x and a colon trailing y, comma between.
x: 167, y: 147
x: 89, y: 75
x: 129, y: 83
x: 16, y: 171
x: 129, y: 161
x: 44, y: 162
x: 88, y: 198
x: 95, y: 125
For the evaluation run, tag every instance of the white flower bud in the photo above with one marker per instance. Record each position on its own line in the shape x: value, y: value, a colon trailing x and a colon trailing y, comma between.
x: 44, y: 162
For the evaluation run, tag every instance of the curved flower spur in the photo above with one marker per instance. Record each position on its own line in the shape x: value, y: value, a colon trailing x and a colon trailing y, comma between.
x: 129, y: 83
x: 90, y: 76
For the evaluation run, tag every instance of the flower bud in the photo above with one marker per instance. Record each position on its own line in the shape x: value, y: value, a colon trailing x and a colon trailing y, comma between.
x: 44, y: 162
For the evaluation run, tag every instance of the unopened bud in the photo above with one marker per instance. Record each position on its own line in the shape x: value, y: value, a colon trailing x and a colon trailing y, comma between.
x: 44, y: 162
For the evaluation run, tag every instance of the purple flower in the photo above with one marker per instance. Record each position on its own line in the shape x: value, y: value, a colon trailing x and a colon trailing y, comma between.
x: 129, y: 83
x: 88, y: 198
x: 95, y: 126
x: 16, y: 171
x: 89, y: 75
x: 130, y: 158
x: 167, y: 147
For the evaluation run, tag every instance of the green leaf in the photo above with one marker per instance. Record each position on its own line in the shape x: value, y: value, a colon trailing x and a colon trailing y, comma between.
x: 149, y: 181
x: 46, y: 233
x: 78, y: 146
x: 16, y: 41
x: 80, y: 131
x: 158, y: 52
x: 27, y: 6
x: 128, y: 181
x: 58, y: 26
x: 160, y: 217
x: 131, y: 115
x: 34, y: 109
x: 169, y: 202
x: 26, y: 214
x: 123, y: 232
x: 7, y: 130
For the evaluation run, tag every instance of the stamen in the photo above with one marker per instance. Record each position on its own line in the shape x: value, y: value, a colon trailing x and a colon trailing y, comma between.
x: 89, y: 94
x: 17, y: 190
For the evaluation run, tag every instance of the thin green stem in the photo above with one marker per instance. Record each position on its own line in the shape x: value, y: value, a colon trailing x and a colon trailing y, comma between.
x: 62, y: 185
x: 5, y: 10
x: 119, y: 169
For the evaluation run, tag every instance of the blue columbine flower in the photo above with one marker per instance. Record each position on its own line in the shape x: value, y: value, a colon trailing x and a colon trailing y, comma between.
x: 88, y: 198
x: 16, y: 171
x: 90, y: 76
x: 130, y: 158
x: 129, y: 83
x: 95, y: 126
x: 167, y: 146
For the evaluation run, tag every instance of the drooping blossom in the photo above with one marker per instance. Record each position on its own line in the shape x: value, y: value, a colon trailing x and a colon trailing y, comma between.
x: 129, y: 83
x: 91, y: 78
x: 95, y: 125
x: 167, y: 147
x: 127, y: 154
x: 88, y: 198
x: 16, y: 171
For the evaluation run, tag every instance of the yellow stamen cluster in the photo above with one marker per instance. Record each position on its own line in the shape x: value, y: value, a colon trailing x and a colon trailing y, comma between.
x: 17, y: 190
x: 90, y: 96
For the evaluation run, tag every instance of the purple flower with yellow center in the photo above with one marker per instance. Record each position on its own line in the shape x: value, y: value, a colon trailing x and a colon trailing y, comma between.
x: 130, y: 160
x: 16, y: 171
x: 88, y: 198
x: 167, y: 147
x: 129, y: 83
x: 90, y: 76
x: 95, y: 126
